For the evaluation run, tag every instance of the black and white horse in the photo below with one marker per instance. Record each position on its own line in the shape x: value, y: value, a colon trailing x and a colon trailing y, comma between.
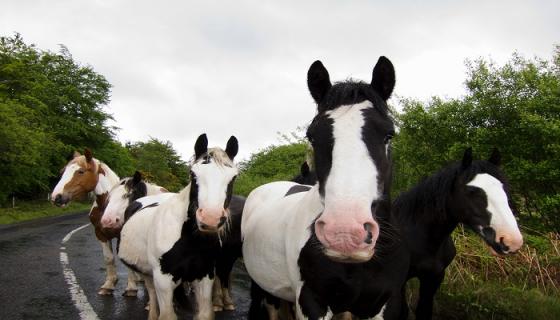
x: 332, y: 248
x: 474, y: 193
x: 122, y: 195
x: 178, y: 239
x: 306, y: 176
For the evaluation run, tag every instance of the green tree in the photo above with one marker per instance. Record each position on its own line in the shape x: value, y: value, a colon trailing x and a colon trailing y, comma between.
x: 55, y: 105
x: 515, y: 107
x: 160, y: 163
x: 274, y: 163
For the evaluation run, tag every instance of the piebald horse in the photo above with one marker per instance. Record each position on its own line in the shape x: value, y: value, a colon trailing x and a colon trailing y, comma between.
x: 122, y: 195
x: 84, y: 174
x: 131, y: 189
x: 474, y: 193
x: 332, y: 248
x: 178, y: 239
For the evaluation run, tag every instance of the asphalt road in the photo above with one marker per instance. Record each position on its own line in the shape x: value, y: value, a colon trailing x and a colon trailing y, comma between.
x: 37, y: 275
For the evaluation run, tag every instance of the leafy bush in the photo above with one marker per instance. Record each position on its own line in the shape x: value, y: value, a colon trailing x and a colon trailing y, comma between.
x: 275, y: 163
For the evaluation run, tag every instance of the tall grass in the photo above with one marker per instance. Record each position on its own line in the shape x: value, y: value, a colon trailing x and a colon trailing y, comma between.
x: 479, y: 285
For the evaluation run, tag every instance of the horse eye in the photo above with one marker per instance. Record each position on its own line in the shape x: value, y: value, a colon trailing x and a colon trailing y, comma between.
x: 388, y: 138
x: 81, y: 171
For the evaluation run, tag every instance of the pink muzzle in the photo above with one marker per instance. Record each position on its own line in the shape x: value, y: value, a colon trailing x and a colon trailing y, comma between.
x: 211, y: 219
x: 347, y: 237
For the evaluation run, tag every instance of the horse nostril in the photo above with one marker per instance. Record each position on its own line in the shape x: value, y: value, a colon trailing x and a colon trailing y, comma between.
x: 369, y: 236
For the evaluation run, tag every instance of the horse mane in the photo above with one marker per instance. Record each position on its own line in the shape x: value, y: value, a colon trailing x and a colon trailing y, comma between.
x: 427, y: 200
x: 109, y: 173
x: 220, y: 157
x: 351, y: 92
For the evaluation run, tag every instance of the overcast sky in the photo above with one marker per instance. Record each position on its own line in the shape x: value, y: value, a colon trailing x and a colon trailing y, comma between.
x: 181, y: 68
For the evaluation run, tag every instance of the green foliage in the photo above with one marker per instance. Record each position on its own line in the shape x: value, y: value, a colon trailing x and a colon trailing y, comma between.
x: 515, y: 107
x: 275, y: 163
x: 49, y: 106
x: 159, y: 163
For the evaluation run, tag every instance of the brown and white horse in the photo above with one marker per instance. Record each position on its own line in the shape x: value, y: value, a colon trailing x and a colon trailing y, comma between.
x: 84, y: 174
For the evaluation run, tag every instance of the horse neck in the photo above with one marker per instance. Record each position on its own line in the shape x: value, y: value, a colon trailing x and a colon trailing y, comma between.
x: 107, y: 179
x: 428, y: 206
x: 181, y: 203
x: 152, y: 189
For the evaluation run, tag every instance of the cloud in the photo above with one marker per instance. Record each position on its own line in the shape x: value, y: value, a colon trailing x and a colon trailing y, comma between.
x: 238, y: 67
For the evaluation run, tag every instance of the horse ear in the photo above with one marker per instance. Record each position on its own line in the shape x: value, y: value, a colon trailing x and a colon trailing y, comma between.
x: 318, y: 81
x: 137, y: 177
x: 383, y: 78
x: 304, y: 170
x: 200, y: 146
x: 76, y: 154
x: 88, y: 155
x: 495, y: 157
x: 232, y: 147
x: 467, y: 158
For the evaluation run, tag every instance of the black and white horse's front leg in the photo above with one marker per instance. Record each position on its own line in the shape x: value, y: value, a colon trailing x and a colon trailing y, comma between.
x: 164, y: 287
x: 109, y: 258
x: 203, y: 295
x: 308, y: 306
x: 221, y: 294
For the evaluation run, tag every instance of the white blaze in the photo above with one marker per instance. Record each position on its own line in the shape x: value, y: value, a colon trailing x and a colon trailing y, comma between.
x: 66, y: 177
x: 353, y: 175
x: 502, y: 219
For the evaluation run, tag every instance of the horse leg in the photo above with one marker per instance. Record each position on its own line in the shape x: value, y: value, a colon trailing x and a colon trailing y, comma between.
x: 152, y: 299
x: 343, y: 316
x: 307, y: 304
x: 131, y: 288
x: 164, y: 286
x: 224, y: 266
x: 429, y: 284
x: 111, y: 278
x: 396, y: 308
x: 217, y: 295
x: 203, y: 295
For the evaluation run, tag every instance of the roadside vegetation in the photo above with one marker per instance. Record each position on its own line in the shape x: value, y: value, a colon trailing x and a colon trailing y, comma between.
x: 29, y: 210
x: 51, y: 105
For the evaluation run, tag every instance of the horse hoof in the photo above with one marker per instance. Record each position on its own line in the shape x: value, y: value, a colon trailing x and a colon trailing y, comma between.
x: 105, y: 292
x: 218, y: 308
x: 229, y: 307
x: 130, y: 293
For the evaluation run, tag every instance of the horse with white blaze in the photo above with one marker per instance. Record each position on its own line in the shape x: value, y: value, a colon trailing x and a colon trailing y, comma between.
x: 473, y: 193
x: 178, y: 239
x: 81, y: 175
x: 332, y: 248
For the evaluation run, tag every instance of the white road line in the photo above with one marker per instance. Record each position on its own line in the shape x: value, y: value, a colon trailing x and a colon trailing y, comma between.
x: 78, y: 296
x: 69, y: 235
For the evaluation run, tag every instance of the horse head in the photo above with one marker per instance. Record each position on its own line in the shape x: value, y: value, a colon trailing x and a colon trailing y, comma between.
x: 482, y: 196
x: 350, y: 136
x: 79, y: 176
x: 212, y: 176
x: 121, y: 196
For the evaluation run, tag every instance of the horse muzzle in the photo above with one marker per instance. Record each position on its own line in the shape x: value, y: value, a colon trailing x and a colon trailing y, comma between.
x: 211, y: 220
x: 348, y: 242
x: 60, y: 200
x: 501, y: 242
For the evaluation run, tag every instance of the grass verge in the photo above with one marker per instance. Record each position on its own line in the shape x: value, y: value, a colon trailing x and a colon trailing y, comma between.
x: 29, y: 210
x: 481, y: 286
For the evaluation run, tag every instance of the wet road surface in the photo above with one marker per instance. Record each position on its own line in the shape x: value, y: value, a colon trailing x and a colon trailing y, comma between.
x: 33, y: 285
